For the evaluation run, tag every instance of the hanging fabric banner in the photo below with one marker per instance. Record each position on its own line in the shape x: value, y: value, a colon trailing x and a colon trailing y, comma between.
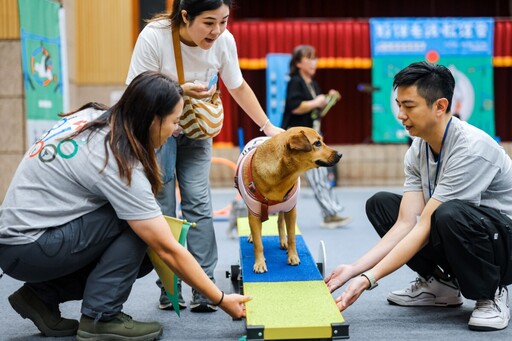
x: 278, y: 67
x: 464, y: 45
x: 42, y: 63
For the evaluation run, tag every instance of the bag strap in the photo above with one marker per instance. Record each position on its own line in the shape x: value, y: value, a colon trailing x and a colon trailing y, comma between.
x: 177, y: 55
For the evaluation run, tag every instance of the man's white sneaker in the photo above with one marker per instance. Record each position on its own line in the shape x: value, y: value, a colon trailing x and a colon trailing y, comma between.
x: 431, y: 292
x: 491, y: 314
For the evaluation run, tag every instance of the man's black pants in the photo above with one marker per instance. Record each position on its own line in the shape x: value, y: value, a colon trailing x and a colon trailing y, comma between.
x: 471, y: 243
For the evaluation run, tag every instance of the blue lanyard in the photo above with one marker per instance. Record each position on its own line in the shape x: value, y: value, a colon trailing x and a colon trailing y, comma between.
x: 430, y: 191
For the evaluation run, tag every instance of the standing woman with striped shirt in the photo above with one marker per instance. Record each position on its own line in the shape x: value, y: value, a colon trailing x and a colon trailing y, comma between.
x: 304, y: 100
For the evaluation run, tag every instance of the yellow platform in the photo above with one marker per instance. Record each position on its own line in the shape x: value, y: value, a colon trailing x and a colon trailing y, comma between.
x: 269, y: 227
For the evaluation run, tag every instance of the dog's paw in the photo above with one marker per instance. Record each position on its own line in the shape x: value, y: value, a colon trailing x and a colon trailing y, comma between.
x: 260, y: 267
x: 249, y: 239
x: 293, y: 260
x: 284, y: 244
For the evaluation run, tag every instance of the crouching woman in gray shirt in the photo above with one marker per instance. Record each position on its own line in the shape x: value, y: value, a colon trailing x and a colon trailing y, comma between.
x: 80, y: 213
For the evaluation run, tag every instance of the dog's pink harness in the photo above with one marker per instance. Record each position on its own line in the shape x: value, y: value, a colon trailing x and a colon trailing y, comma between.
x: 256, y: 203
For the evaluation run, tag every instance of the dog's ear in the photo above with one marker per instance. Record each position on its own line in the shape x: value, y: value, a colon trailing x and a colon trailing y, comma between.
x: 299, y: 141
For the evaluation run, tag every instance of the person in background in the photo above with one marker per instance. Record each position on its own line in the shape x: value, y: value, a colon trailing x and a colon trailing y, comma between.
x: 207, y: 48
x: 452, y: 225
x: 81, y: 212
x: 304, y: 102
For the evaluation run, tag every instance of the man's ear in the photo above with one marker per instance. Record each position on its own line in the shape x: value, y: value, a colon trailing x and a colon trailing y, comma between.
x: 299, y: 141
x: 442, y: 104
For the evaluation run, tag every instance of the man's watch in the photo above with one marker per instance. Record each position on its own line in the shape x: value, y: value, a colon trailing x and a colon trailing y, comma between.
x: 369, y: 276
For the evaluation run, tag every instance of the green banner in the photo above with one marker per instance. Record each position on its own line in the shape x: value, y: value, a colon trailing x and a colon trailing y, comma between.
x: 473, y: 98
x: 464, y: 45
x: 41, y: 58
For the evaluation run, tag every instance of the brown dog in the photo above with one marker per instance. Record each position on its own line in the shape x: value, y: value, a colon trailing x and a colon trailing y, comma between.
x: 268, y: 181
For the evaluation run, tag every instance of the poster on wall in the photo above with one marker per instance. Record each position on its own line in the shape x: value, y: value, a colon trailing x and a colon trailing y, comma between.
x: 278, y: 67
x: 464, y: 45
x: 43, y: 63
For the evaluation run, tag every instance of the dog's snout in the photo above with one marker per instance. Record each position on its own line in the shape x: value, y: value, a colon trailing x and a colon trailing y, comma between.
x: 334, y: 158
x: 338, y: 156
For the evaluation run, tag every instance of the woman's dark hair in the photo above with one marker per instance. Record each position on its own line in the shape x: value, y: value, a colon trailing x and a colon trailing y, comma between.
x: 150, y: 95
x: 300, y: 52
x: 193, y: 8
x: 432, y: 81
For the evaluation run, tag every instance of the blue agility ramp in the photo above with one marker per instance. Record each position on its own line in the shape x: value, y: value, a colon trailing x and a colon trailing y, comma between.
x: 276, y: 259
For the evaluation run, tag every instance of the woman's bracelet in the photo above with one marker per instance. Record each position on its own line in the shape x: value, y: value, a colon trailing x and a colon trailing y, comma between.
x: 221, y: 299
x: 264, y: 124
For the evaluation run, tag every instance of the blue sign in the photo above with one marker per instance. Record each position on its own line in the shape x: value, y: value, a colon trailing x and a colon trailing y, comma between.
x: 417, y: 36
x: 278, y: 65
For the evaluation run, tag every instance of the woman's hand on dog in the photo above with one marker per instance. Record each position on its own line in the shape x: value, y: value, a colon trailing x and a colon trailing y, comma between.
x: 271, y: 130
x: 234, y: 305
x: 339, y: 276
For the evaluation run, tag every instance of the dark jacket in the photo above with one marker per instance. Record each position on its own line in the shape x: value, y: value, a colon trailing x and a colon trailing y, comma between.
x: 296, y: 92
